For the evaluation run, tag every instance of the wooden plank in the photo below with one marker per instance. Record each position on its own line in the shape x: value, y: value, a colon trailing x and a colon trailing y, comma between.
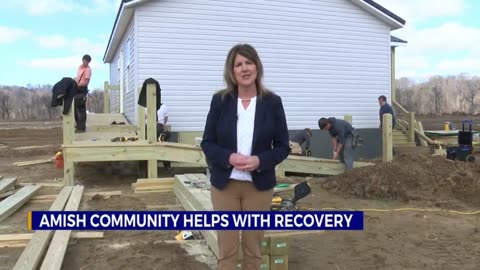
x: 15, y: 201
x: 165, y: 206
x: 157, y: 180
x: 68, y: 125
x: 32, y: 162
x: 387, y: 152
x: 35, y: 249
x: 7, y: 184
x: 29, y: 236
x: 113, y: 128
x: 32, y: 147
x: 58, y: 184
x: 419, y: 127
x: 86, y: 195
x: 25, y: 243
x: 58, y: 246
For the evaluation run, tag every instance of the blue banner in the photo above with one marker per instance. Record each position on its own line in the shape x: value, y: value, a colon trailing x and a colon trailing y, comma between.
x: 195, y: 220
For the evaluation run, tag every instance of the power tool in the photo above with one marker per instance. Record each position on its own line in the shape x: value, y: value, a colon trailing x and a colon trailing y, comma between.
x: 300, y: 191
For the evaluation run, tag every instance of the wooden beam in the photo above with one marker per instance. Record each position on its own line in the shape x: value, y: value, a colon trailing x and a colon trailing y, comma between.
x: 36, y: 248
x: 32, y: 147
x: 152, y: 127
x: 393, y: 94
x: 106, y: 98
x: 163, y: 207
x: 387, y: 152
x: 7, y: 184
x: 86, y: 195
x: 32, y: 162
x: 313, y: 165
x: 68, y: 125
x: 55, y: 253
x: 41, y: 184
x: 411, y: 126
x: 348, y: 118
x: 15, y: 201
x: 113, y: 128
x: 419, y: 127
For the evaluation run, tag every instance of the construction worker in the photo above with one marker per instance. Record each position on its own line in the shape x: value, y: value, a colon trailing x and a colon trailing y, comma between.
x: 297, y: 141
x: 341, y: 133
x: 385, y: 108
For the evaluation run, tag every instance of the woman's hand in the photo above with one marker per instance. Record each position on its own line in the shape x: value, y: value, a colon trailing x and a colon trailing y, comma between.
x: 237, y: 160
x: 251, y: 164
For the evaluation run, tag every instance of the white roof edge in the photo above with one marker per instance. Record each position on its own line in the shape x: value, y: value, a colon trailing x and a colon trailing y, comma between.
x: 377, y: 13
x: 124, y: 15
x: 398, y: 44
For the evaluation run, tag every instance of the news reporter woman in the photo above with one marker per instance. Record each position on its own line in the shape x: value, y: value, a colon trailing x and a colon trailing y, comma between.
x: 245, y: 137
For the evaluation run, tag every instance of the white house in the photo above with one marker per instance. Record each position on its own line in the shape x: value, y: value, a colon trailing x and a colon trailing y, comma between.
x: 324, y: 58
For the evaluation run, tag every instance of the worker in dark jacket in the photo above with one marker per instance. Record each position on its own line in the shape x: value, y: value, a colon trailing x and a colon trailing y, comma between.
x: 341, y: 133
x: 298, y: 140
x: 385, y: 108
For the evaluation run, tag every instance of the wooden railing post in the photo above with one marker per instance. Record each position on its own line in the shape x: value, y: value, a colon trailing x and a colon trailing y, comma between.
x: 348, y: 118
x: 106, y: 98
x: 141, y: 121
x: 411, y: 126
x: 68, y: 137
x: 152, y: 126
x: 387, y: 155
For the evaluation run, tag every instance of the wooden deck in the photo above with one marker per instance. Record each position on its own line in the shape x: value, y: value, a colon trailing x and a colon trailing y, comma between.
x: 95, y: 145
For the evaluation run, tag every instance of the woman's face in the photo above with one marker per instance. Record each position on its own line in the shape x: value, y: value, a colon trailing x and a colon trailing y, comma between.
x: 245, y: 71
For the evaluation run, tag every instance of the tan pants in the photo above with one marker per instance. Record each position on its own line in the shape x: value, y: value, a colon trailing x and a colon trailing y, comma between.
x: 295, y: 148
x: 240, y: 196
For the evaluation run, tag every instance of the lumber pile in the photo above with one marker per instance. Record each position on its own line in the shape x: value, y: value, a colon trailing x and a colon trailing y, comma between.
x: 153, y: 185
x: 13, y: 202
x: 46, y: 249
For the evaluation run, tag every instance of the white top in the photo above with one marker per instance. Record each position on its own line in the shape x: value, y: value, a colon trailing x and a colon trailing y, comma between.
x: 245, y: 126
x: 162, y: 113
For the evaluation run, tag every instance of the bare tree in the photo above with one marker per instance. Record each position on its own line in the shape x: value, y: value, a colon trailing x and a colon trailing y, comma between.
x: 470, y: 92
x: 437, y: 94
x: 95, y: 101
x: 5, y: 105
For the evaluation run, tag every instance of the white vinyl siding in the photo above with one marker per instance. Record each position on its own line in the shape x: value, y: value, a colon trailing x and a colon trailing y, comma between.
x: 324, y: 58
x: 128, y: 66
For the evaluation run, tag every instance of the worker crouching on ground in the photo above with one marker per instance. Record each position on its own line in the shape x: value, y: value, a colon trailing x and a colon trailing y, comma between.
x: 245, y: 137
x: 298, y: 140
x: 342, y: 134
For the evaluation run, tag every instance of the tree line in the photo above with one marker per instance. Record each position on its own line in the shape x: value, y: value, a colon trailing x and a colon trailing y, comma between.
x: 440, y: 95
x: 34, y: 102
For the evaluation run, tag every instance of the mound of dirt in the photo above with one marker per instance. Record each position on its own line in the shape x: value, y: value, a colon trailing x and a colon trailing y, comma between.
x: 413, y: 177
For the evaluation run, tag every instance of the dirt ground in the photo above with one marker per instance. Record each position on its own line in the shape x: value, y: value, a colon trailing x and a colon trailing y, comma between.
x: 409, y: 239
x: 437, y: 123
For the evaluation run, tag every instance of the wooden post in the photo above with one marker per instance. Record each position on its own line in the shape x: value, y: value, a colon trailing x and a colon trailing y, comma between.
x: 419, y: 126
x: 411, y: 126
x: 348, y: 118
x: 106, y: 98
x: 141, y: 122
x: 152, y: 126
x: 392, y: 75
x: 387, y: 138
x: 68, y: 137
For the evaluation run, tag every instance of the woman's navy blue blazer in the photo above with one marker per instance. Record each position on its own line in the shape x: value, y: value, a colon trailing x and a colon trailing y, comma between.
x: 270, y: 138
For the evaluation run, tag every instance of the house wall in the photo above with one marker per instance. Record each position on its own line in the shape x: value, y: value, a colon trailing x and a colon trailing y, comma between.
x: 324, y: 58
x: 124, y: 60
